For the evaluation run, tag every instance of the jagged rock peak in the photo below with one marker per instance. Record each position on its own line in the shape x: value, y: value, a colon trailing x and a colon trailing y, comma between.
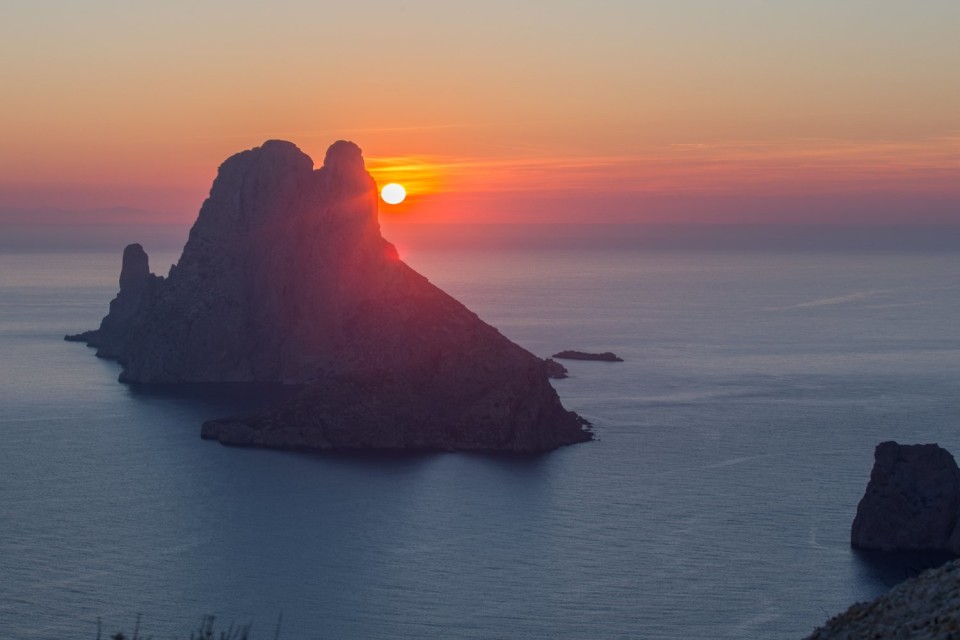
x: 278, y: 181
x: 344, y: 155
x: 135, y: 269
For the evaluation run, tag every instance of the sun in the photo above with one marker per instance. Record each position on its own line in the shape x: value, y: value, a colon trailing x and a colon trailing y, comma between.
x: 393, y: 193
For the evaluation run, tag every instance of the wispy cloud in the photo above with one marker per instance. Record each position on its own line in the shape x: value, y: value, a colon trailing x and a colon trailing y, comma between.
x: 832, y: 300
x: 930, y: 165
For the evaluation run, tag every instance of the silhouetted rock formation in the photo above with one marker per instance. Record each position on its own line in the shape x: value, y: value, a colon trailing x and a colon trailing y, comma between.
x: 912, y: 502
x: 606, y: 356
x: 137, y: 284
x: 285, y: 277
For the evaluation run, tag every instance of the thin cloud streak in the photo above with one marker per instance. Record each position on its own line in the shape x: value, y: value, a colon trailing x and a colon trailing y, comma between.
x: 932, y: 165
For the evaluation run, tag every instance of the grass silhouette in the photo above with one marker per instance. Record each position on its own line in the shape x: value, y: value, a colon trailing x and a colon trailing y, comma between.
x: 206, y: 630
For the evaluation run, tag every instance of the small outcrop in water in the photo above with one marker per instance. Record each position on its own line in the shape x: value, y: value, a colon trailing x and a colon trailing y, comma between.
x: 285, y: 277
x: 555, y: 370
x: 606, y: 356
x: 912, y: 502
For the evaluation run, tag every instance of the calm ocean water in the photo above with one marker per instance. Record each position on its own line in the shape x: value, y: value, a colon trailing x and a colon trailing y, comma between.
x: 733, y: 446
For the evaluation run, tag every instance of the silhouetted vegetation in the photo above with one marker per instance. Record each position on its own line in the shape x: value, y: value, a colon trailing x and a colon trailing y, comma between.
x: 206, y: 630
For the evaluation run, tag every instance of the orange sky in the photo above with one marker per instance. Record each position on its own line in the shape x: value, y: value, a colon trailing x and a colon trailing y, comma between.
x: 690, y: 110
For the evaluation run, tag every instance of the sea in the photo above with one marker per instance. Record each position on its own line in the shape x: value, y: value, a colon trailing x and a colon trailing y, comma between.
x: 732, y: 447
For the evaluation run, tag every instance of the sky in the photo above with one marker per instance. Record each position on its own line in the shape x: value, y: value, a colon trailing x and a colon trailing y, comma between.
x: 679, y: 111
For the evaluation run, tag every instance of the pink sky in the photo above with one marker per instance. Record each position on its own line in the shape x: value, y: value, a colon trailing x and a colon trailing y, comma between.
x: 687, y: 111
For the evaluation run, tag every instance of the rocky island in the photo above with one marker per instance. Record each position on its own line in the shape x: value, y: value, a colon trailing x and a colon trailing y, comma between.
x: 606, y: 356
x: 285, y: 277
x: 912, y: 502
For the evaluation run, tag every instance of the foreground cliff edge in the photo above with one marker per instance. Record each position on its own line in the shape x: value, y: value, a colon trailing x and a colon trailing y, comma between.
x: 286, y: 278
x: 923, y: 607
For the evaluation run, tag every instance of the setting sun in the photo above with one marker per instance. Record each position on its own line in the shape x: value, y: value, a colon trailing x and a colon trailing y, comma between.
x: 393, y: 193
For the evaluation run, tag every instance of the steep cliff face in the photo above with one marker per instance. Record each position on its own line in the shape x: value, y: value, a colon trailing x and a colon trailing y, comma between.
x: 912, y: 502
x: 285, y: 277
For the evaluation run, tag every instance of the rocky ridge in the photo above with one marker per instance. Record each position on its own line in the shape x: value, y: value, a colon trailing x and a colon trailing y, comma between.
x: 926, y: 607
x: 285, y: 277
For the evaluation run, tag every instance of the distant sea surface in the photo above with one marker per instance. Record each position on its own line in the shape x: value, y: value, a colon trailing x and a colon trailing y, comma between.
x: 733, y: 445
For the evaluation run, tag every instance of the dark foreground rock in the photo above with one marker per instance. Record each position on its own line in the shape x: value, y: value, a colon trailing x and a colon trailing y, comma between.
x: 285, y: 277
x: 606, y: 356
x: 912, y: 502
x: 926, y: 607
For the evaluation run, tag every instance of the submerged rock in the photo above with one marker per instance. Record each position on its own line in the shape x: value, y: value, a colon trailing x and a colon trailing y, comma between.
x: 606, y: 356
x: 285, y: 277
x: 912, y: 502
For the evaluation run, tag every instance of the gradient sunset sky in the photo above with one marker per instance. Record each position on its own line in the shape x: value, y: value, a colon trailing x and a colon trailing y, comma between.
x: 717, y: 111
